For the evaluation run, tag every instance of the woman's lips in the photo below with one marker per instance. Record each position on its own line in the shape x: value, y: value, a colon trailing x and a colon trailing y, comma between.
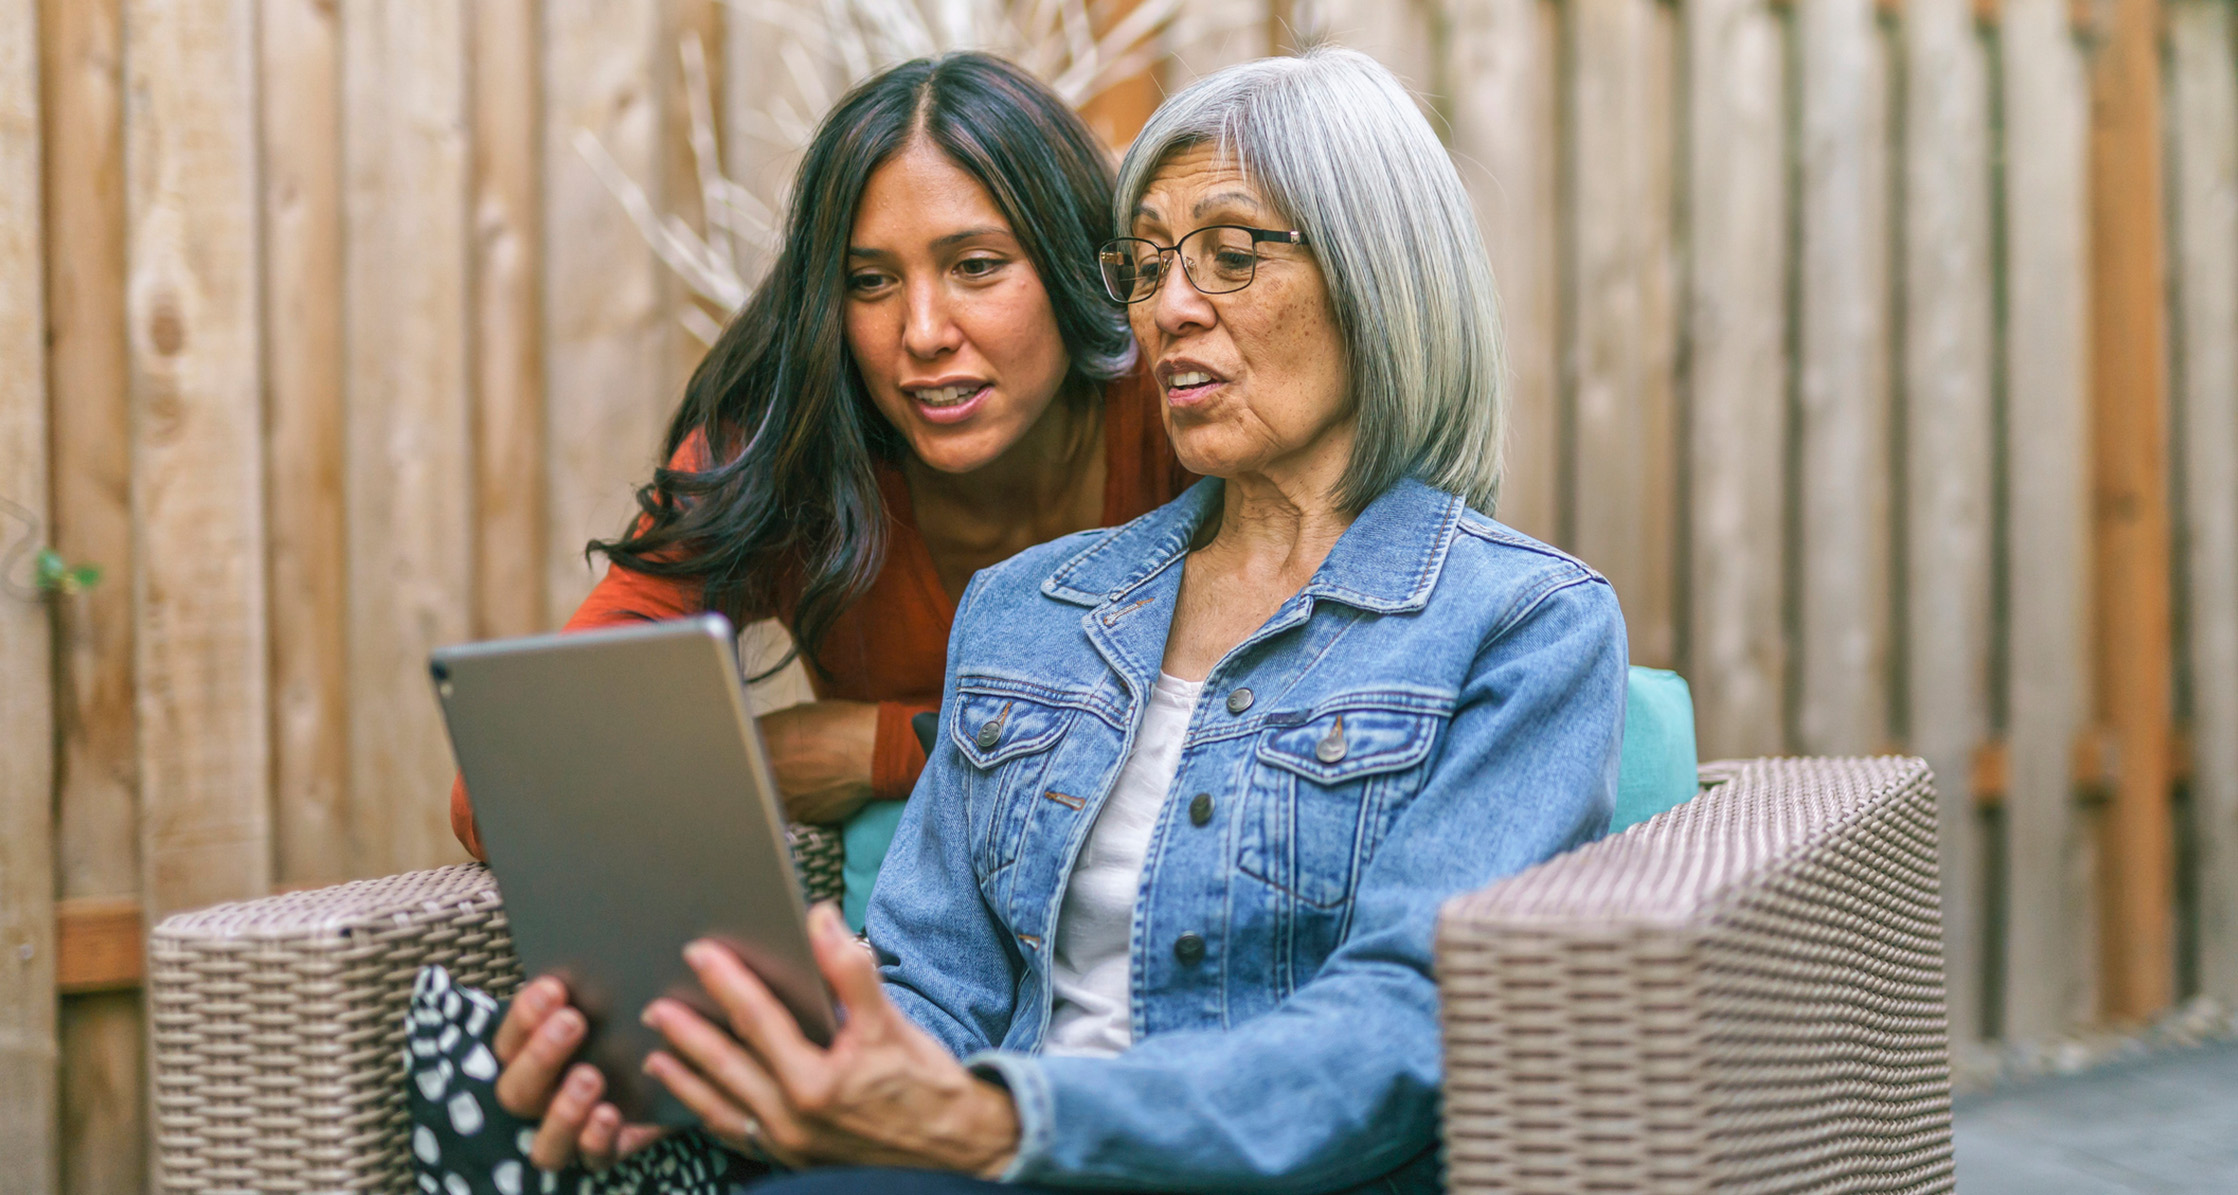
x: 1191, y: 387
x: 942, y: 405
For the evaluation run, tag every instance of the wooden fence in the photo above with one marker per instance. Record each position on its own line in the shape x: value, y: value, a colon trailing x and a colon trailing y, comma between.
x: 1885, y: 356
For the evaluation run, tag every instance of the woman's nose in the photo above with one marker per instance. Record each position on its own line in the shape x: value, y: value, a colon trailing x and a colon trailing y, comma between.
x: 1178, y: 305
x: 928, y: 332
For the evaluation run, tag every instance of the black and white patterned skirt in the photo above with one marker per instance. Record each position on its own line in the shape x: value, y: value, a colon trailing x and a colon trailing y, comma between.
x: 463, y: 1143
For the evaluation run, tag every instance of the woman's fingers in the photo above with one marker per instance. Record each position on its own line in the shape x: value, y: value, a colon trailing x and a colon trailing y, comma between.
x: 757, y: 1016
x: 524, y: 1087
x: 726, y: 1119
x: 537, y: 1000
x: 850, y: 970
x: 565, y: 1120
x: 718, y: 1057
x: 635, y: 1137
x: 595, y: 1145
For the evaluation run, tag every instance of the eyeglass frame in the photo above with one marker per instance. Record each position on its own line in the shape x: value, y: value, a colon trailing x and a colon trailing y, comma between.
x: 1259, y: 236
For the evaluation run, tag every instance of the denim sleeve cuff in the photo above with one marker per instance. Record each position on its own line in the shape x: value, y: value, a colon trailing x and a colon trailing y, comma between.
x: 1031, y: 1095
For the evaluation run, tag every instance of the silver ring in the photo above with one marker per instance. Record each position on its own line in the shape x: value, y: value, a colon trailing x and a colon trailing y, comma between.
x: 749, y: 1129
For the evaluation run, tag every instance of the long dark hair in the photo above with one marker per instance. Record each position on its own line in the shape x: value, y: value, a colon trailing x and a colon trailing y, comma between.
x: 789, y: 497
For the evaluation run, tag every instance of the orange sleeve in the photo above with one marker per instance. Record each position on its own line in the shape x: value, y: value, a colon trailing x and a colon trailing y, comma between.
x: 897, y: 757
x: 621, y: 596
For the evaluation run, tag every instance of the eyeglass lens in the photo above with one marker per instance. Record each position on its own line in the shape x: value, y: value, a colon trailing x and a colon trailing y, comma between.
x: 1216, y: 260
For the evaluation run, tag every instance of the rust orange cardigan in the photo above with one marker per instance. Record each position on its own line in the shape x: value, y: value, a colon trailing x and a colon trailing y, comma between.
x: 892, y: 646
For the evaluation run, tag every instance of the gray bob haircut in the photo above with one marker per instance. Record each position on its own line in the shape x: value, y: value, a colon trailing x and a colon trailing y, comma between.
x: 1338, y: 147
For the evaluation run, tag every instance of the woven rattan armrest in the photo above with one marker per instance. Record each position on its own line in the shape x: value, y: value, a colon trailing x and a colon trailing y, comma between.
x: 278, y: 1024
x: 1745, y: 993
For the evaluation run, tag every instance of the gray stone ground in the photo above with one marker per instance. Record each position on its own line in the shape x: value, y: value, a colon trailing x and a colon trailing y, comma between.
x: 2163, y: 1123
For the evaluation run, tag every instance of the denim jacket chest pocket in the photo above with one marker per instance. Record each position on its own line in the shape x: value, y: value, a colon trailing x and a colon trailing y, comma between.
x: 1006, y: 739
x: 1321, y: 792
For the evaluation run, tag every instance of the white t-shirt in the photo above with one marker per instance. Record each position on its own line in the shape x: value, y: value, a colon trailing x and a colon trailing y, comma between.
x: 1089, y: 958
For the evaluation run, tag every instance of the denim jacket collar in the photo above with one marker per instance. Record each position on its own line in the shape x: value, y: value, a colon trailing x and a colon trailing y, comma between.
x: 1386, y: 562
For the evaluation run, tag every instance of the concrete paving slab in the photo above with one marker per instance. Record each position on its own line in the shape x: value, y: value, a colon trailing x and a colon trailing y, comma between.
x: 2163, y: 1124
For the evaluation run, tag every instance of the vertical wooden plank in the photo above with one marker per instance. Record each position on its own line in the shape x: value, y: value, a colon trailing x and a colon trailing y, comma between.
x: 301, y: 126
x: 1401, y: 34
x: 1624, y: 492
x: 197, y: 472
x: 1503, y: 57
x: 758, y: 153
x: 1207, y: 35
x: 103, y: 1121
x: 1736, y: 204
x: 2049, y: 939
x: 1841, y: 686
x: 407, y: 480
x: 703, y: 21
x: 104, y: 1097
x: 2203, y: 179
x: 508, y: 323
x: 28, y: 1132
x: 1949, y: 337
x: 2129, y: 399
x: 605, y: 330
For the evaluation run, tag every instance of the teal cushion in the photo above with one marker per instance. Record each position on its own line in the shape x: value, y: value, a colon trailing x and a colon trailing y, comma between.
x: 867, y: 835
x: 1655, y: 772
x: 1655, y: 766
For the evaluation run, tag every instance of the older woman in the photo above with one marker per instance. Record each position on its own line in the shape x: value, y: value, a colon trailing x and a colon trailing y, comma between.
x: 1159, y: 914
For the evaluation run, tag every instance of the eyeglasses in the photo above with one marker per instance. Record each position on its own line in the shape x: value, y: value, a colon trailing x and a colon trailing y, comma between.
x: 1216, y: 259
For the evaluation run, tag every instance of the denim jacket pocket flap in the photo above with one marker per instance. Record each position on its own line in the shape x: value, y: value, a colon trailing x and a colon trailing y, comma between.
x: 994, y: 728
x: 1341, y: 745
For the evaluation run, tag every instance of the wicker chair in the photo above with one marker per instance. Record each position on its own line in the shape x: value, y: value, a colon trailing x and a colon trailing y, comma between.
x: 1743, y: 994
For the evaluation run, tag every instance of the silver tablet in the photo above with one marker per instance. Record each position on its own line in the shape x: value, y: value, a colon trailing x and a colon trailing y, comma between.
x: 627, y: 808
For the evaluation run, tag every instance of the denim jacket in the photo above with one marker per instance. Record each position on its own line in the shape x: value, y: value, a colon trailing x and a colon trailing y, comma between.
x: 1437, y: 708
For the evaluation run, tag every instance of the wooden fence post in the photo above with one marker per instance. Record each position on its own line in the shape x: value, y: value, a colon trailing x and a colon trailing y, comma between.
x: 28, y: 1130
x: 97, y: 800
x: 508, y: 277
x: 2049, y: 945
x: 1505, y: 144
x: 605, y: 331
x: 197, y: 466
x: 1948, y: 324
x: 316, y: 837
x: 2129, y: 392
x: 1842, y: 389
x: 1737, y: 368
x: 407, y: 480
x: 1622, y: 313
x: 2203, y: 121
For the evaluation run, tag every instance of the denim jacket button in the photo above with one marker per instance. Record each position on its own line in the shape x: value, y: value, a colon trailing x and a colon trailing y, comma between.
x: 1200, y: 809
x: 989, y: 735
x: 1189, y: 948
x: 1239, y: 700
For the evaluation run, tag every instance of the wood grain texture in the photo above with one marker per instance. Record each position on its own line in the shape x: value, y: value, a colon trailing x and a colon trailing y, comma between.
x: 509, y: 544
x: 1623, y: 267
x: 104, y: 1102
x: 408, y: 484
x: 1949, y: 344
x: 2203, y: 180
x: 1209, y: 34
x: 1842, y: 386
x: 701, y: 21
x: 97, y: 802
x: 2129, y: 432
x: 29, y: 1136
x: 2049, y: 937
x: 99, y: 944
x: 605, y: 329
x: 1737, y: 367
x: 1401, y: 34
x: 301, y: 126
x: 1504, y: 141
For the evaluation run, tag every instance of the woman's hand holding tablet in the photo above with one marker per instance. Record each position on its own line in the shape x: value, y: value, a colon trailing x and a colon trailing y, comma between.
x: 883, y: 1093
